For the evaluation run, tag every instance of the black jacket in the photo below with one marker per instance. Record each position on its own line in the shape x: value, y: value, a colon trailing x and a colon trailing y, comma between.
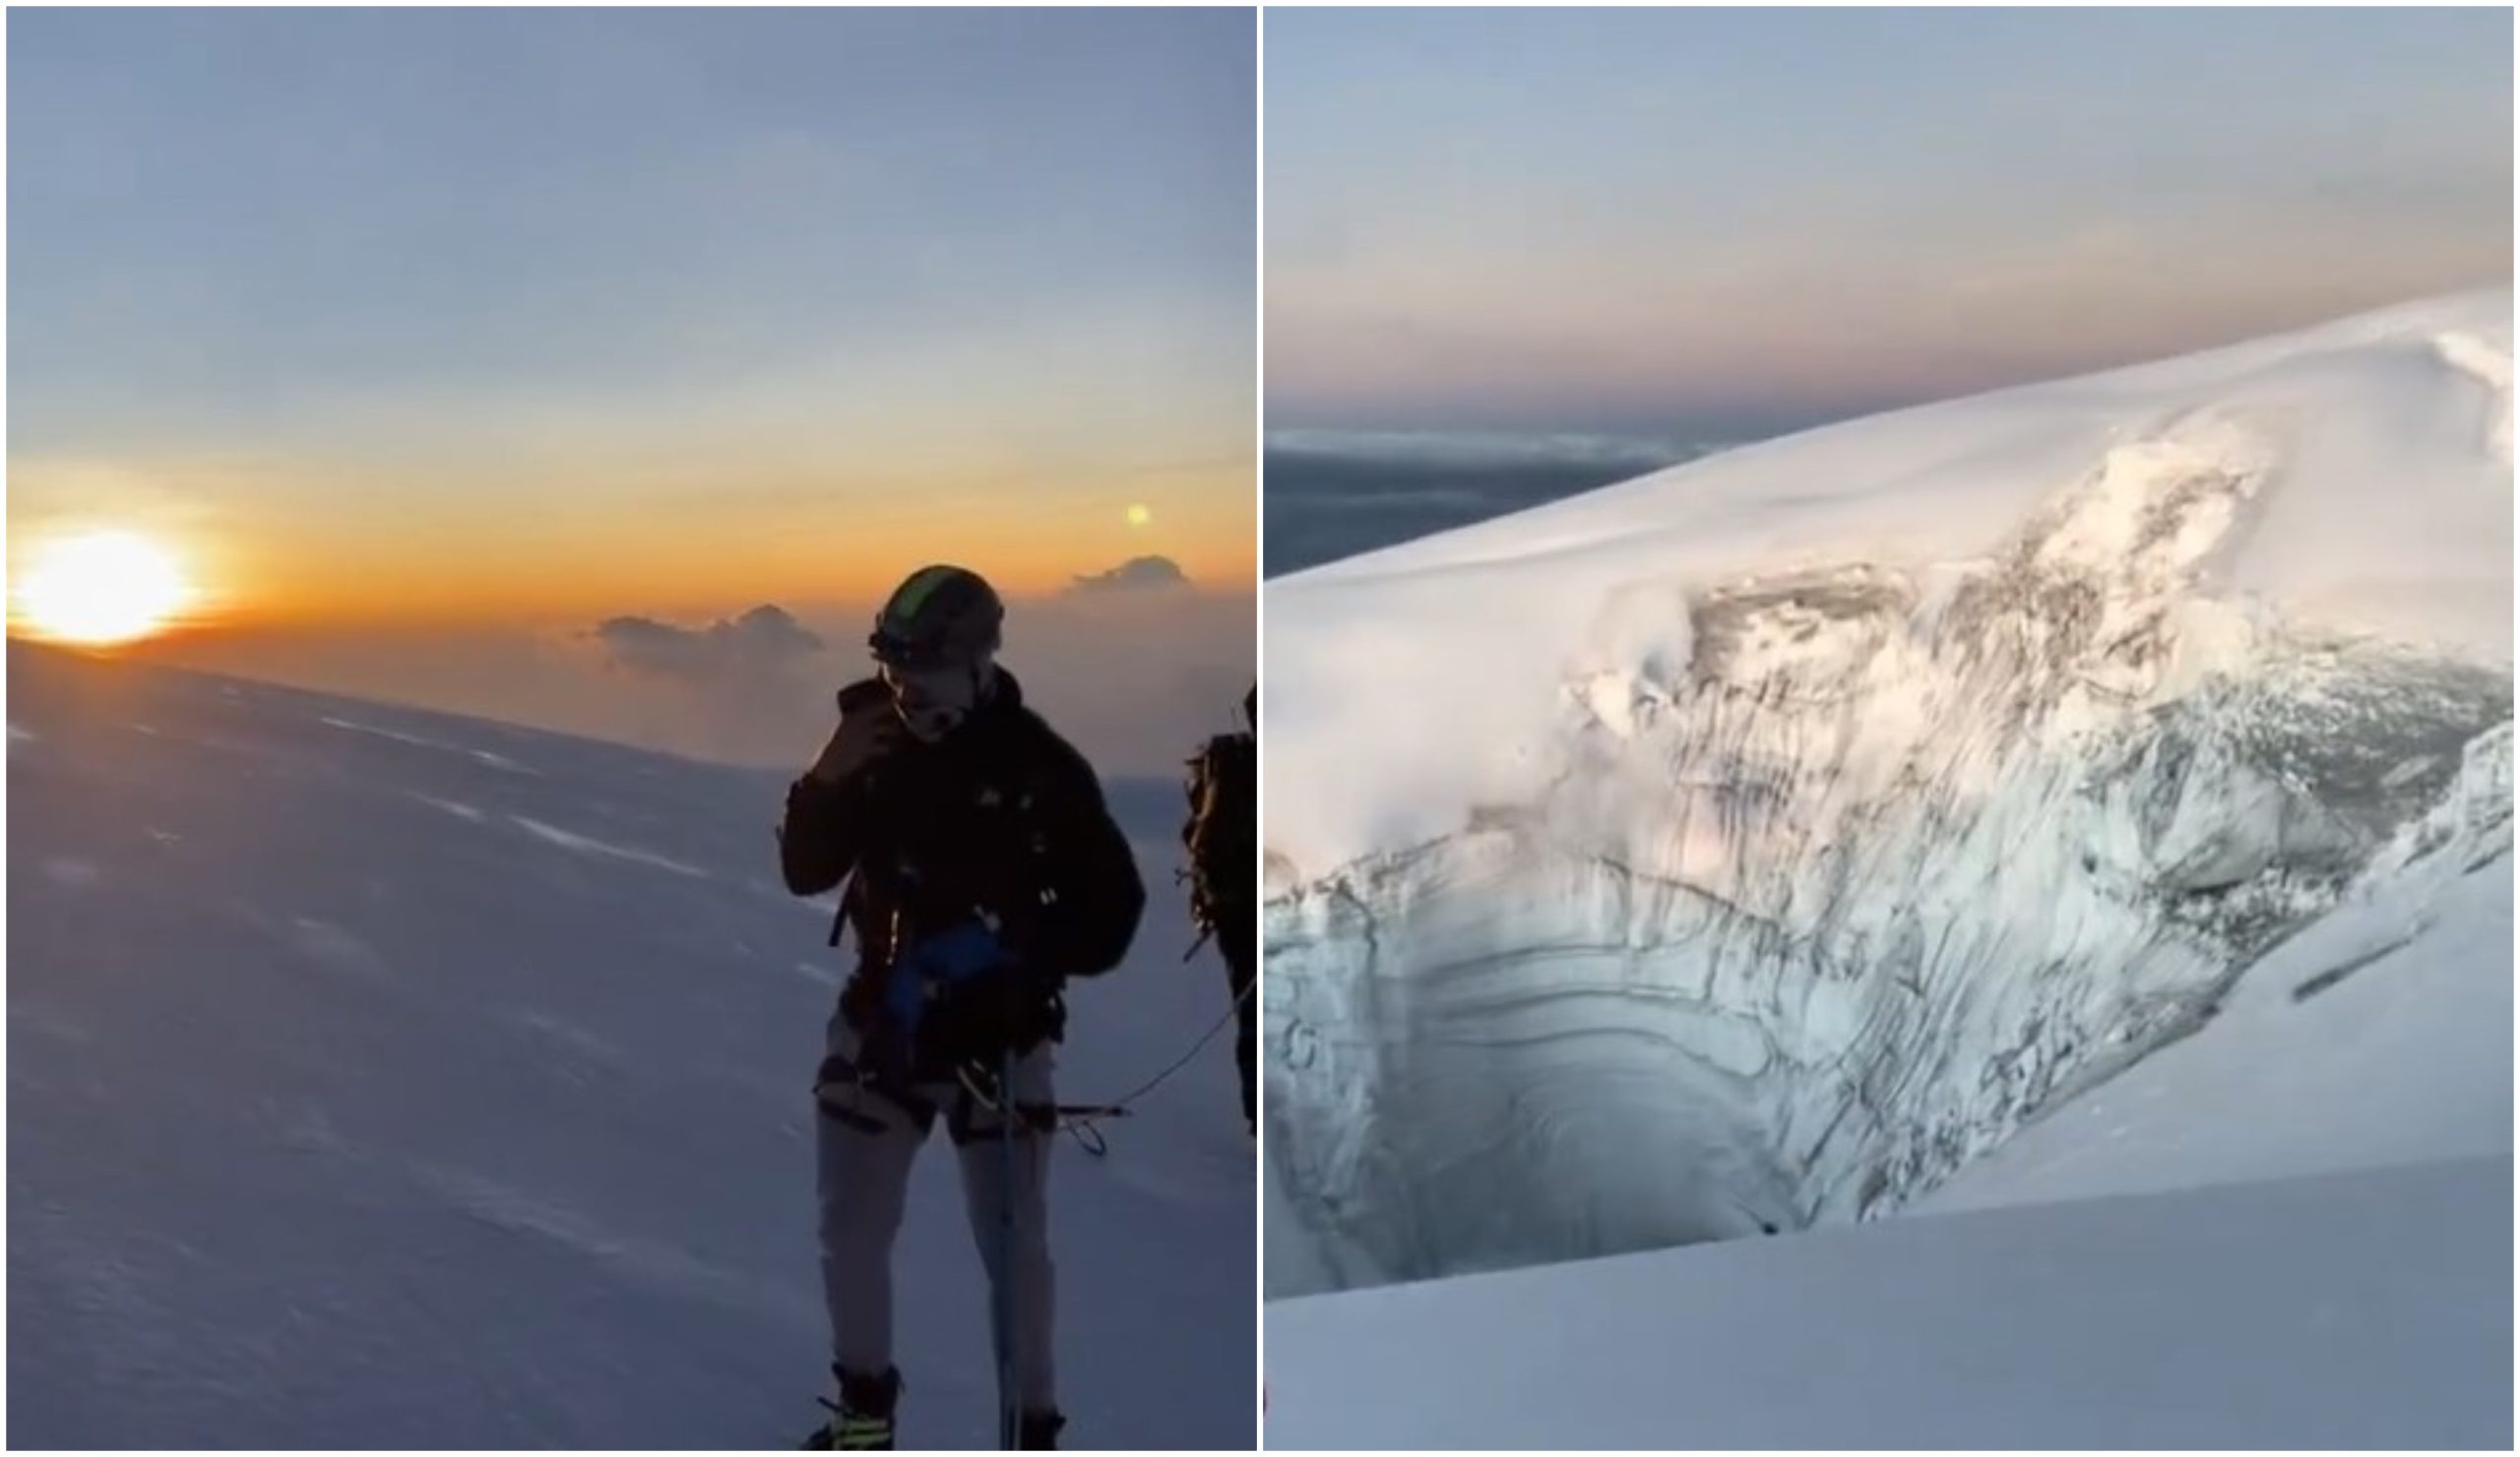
x: 1001, y: 816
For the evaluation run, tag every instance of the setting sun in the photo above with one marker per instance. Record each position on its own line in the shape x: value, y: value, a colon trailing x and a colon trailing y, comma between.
x: 104, y: 587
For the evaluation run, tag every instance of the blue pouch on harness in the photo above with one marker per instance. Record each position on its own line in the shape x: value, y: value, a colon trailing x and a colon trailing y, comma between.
x: 930, y: 969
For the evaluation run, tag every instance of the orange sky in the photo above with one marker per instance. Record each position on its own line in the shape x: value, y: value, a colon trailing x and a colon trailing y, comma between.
x: 390, y: 555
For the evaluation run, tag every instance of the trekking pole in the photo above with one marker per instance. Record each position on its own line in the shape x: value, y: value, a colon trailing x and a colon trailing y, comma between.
x: 1010, y: 1421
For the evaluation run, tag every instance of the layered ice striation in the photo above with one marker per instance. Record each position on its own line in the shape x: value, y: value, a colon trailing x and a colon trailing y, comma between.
x: 1846, y: 872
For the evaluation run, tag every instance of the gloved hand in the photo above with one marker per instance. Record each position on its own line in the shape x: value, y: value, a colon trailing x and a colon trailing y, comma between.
x: 868, y: 729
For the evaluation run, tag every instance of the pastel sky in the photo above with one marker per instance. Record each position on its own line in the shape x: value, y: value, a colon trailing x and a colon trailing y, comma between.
x: 420, y: 316
x: 1729, y: 222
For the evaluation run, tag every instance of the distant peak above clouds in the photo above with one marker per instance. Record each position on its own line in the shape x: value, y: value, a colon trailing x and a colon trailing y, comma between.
x: 1137, y: 574
x: 766, y: 636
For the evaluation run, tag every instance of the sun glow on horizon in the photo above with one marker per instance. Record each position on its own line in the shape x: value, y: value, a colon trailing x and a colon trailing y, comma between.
x: 103, y: 588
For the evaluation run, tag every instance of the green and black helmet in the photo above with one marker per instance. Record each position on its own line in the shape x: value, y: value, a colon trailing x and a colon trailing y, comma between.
x: 939, y: 615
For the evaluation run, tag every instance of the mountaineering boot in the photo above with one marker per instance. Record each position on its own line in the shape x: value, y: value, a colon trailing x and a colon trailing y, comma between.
x: 861, y: 1421
x: 1038, y: 1431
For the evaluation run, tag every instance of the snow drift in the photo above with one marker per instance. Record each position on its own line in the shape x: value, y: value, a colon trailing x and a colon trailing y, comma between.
x: 1753, y: 844
x: 378, y: 1078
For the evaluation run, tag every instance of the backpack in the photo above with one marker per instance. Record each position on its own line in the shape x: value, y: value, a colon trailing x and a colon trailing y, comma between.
x: 1222, y: 831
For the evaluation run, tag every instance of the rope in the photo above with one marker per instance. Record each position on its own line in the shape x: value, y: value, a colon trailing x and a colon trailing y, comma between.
x: 1150, y: 1085
x: 1079, y: 1120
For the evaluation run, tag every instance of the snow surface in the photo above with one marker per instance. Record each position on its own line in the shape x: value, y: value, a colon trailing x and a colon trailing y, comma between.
x: 1754, y: 844
x: 371, y: 1086
x: 2075, y: 821
x: 1408, y: 685
x: 2350, y: 1310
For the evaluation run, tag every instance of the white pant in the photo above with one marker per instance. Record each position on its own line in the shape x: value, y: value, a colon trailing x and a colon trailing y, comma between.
x: 865, y: 1144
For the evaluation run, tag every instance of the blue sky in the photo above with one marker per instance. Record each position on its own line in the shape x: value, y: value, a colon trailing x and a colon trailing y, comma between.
x: 1713, y: 220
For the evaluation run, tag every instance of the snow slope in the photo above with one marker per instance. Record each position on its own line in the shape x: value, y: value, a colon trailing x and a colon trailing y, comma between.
x: 1756, y: 843
x: 384, y: 1079
x: 2351, y: 1310
x: 2383, y: 444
